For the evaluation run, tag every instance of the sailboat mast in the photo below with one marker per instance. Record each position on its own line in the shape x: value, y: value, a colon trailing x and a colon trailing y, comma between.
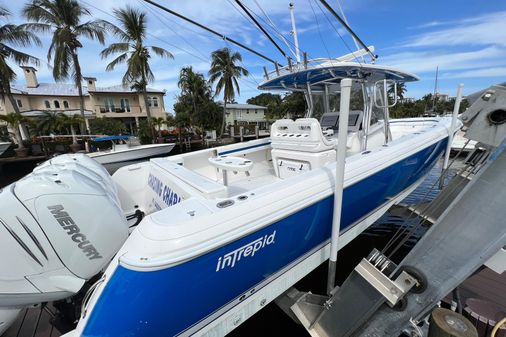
x: 435, y: 91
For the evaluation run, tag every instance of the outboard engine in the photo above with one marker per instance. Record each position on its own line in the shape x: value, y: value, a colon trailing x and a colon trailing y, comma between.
x: 59, y: 226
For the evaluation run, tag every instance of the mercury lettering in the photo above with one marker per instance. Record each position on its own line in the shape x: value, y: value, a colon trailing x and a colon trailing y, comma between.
x: 74, y: 232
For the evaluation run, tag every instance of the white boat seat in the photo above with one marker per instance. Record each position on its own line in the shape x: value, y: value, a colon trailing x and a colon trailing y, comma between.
x: 304, y: 134
x: 299, y: 146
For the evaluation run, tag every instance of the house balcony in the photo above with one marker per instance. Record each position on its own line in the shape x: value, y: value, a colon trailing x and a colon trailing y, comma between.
x: 102, y: 109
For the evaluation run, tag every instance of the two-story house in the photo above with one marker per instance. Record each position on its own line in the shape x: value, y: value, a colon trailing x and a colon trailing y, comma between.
x: 245, y: 114
x: 121, y: 102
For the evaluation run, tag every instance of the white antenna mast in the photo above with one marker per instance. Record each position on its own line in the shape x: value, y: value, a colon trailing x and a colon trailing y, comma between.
x: 294, y: 32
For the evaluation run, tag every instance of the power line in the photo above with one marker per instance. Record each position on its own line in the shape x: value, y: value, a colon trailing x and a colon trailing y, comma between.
x: 210, y: 30
x: 348, y: 28
x: 336, y: 30
x: 170, y: 28
x: 318, y: 27
x: 151, y: 35
x: 261, y: 28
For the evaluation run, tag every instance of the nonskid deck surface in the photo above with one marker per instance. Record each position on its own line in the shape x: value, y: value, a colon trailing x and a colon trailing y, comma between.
x: 263, y: 174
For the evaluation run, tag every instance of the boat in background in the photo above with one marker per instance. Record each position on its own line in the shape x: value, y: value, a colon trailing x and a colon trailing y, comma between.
x: 4, y: 146
x: 128, y: 148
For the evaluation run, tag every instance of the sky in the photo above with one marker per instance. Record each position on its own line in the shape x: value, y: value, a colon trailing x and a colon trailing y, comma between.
x: 466, y: 39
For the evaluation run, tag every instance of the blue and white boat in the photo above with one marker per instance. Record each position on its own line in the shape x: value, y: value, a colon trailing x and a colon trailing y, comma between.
x: 228, y: 229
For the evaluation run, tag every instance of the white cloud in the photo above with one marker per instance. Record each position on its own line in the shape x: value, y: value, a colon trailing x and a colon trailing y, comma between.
x: 480, y: 30
x: 427, y: 61
x: 474, y: 73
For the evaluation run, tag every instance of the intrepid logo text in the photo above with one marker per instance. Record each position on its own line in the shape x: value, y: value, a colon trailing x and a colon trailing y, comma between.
x: 74, y: 231
x: 230, y: 259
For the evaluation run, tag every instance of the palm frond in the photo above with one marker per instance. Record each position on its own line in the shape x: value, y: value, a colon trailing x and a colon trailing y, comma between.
x: 118, y: 60
x: 162, y: 52
x: 114, y: 48
x: 94, y: 30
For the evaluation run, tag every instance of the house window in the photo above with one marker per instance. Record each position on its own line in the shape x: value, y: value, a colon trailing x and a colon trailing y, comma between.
x: 66, y: 104
x: 153, y: 101
x: 125, y: 105
x: 56, y: 104
x: 20, y: 104
x: 256, y: 111
x: 47, y: 104
x: 109, y: 104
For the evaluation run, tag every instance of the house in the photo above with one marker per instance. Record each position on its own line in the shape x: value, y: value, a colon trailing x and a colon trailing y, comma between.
x: 120, y: 102
x: 246, y: 114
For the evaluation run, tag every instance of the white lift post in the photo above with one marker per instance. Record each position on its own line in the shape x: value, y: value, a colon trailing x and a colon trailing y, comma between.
x: 342, y: 138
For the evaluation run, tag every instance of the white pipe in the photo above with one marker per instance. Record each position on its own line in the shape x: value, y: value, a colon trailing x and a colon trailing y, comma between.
x: 294, y: 31
x: 456, y: 109
x: 344, y: 111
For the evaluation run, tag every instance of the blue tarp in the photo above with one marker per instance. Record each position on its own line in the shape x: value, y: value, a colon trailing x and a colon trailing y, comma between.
x: 100, y: 139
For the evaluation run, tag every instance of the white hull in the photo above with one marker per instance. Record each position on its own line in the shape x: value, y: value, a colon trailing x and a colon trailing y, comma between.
x: 133, y: 153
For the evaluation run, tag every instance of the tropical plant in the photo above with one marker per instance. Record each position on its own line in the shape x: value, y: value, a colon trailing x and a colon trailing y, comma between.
x: 72, y: 121
x: 65, y: 20
x: 225, y: 73
x: 12, y: 36
x: 157, y: 123
x: 401, y: 90
x: 106, y: 126
x: 14, y: 121
x: 134, y: 52
x: 271, y: 101
x: 294, y: 105
x: 50, y: 122
x: 196, y: 100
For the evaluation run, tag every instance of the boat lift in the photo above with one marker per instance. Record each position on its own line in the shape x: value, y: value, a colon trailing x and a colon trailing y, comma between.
x: 380, y: 298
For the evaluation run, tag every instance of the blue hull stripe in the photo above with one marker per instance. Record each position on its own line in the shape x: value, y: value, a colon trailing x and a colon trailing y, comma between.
x: 243, y: 149
x: 169, y: 301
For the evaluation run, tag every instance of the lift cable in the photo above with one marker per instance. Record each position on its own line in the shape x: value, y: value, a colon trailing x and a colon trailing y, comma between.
x: 261, y: 28
x: 273, y: 26
x: 210, y: 30
x: 348, y: 28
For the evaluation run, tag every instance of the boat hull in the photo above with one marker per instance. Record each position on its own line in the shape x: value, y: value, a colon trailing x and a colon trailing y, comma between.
x: 134, y: 153
x: 177, y: 300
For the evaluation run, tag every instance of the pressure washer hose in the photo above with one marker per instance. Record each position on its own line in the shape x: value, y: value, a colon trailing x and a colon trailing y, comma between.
x: 497, y: 326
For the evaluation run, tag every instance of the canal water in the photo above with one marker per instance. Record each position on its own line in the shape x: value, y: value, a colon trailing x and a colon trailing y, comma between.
x: 272, y: 321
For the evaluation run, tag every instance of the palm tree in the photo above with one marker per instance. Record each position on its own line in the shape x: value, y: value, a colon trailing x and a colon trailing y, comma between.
x: 50, y: 122
x: 134, y: 52
x: 17, y: 36
x: 14, y: 120
x: 65, y: 20
x: 158, y: 122
x: 194, y: 86
x: 401, y: 90
x: 225, y: 72
x: 71, y: 121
